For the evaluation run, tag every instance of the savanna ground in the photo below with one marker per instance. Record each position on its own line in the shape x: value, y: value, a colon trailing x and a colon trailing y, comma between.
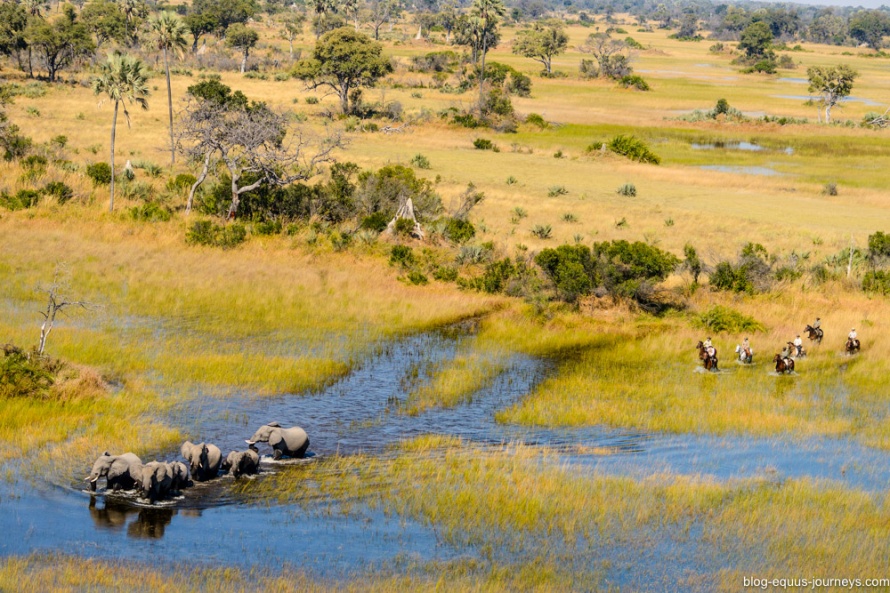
x: 290, y: 314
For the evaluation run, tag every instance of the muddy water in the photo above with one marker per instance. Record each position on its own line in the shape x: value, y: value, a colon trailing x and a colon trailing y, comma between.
x: 364, y: 413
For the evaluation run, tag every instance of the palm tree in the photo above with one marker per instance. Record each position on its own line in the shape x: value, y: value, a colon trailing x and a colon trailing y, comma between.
x: 123, y: 80
x: 486, y: 15
x: 168, y: 34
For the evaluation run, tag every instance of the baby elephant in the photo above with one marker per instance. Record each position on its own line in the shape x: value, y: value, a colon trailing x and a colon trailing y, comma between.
x: 204, y: 460
x: 155, y: 480
x: 292, y: 442
x: 118, y: 471
x: 179, y: 472
x: 242, y: 462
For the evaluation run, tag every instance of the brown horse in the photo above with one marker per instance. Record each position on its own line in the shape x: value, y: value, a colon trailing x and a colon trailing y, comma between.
x: 709, y: 359
x: 852, y: 346
x: 814, y: 333
x: 783, y: 365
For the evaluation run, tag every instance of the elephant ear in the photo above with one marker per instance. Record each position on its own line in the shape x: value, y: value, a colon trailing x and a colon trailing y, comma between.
x: 274, y: 425
x: 275, y: 438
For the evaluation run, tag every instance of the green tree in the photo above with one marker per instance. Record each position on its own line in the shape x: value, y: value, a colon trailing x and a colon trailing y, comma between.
x: 755, y: 40
x: 13, y: 22
x: 832, y: 83
x: 222, y: 14
x: 105, y: 21
x: 199, y: 24
x: 168, y: 34
x: 243, y: 39
x: 541, y: 44
x: 343, y: 60
x: 869, y: 27
x: 134, y: 11
x: 123, y: 80
x: 486, y: 16
x: 60, y: 43
x: 291, y: 28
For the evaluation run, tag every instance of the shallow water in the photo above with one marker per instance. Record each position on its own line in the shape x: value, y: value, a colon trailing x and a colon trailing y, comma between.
x: 364, y: 413
x: 862, y: 100
x: 763, y: 171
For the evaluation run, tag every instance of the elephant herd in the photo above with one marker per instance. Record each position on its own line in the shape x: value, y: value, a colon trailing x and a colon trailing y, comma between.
x: 157, y: 479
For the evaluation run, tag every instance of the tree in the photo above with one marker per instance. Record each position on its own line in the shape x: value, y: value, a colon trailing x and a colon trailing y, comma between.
x: 291, y: 27
x: 133, y: 11
x: 832, y: 83
x: 105, y: 21
x: 755, y: 40
x: 243, y: 39
x: 168, y: 35
x: 60, y: 43
x: 382, y: 11
x: 541, y: 44
x: 57, y: 301
x: 612, y: 56
x: 344, y: 60
x: 222, y: 14
x: 199, y: 24
x: 13, y: 22
x: 258, y: 146
x: 486, y: 16
x: 123, y: 80
x: 869, y: 27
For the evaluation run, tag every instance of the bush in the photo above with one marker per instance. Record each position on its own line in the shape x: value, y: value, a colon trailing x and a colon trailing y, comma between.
x: 830, y: 189
x: 205, y: 232
x: 59, y: 190
x: 267, y: 227
x: 634, y: 149
x: 570, y: 268
x: 634, y: 81
x: 720, y: 319
x: 459, y: 231
x: 312, y: 100
x: 877, y: 281
x: 22, y: 375
x: 628, y: 189
x: 100, y: 173
x: 535, y: 119
x: 151, y: 212
x: 445, y: 273
x: 730, y: 278
x: 375, y: 222
x: 417, y: 278
x: 495, y: 278
x: 181, y: 182
x: 483, y: 144
x: 401, y: 255
x: 633, y: 43
x: 557, y: 190
x: 542, y: 231
x: 879, y: 245
x: 420, y: 161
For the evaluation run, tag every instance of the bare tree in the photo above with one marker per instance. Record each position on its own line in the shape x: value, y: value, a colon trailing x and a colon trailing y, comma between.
x: 611, y: 55
x: 57, y: 301
x: 257, y: 145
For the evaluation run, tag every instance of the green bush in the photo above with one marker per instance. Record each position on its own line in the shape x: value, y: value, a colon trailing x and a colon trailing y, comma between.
x: 719, y: 319
x: 151, y: 212
x: 731, y: 278
x: 401, y: 255
x: 58, y: 190
x: 483, y: 144
x: 628, y: 190
x: 542, y: 231
x: 375, y: 222
x: 416, y: 277
x: 570, y: 268
x: 495, y: 277
x: 556, y: 190
x: 205, y: 232
x: 267, y: 227
x: 634, y: 149
x: 459, y: 231
x: 535, y: 119
x: 181, y: 182
x: 404, y: 227
x: 312, y: 100
x: 22, y: 375
x: 420, y: 161
x: 634, y: 81
x: 100, y: 173
x: 445, y: 273
x: 27, y: 197
x: 879, y: 245
x: 877, y: 281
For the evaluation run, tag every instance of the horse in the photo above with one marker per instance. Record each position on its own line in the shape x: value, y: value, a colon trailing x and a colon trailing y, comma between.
x: 852, y: 346
x: 796, y: 351
x: 783, y: 365
x: 814, y: 333
x: 709, y: 359
x: 745, y: 355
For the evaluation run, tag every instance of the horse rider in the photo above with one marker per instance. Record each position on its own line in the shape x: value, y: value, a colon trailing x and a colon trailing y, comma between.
x: 746, y: 346
x: 798, y: 345
x: 817, y: 324
x: 786, y: 351
x: 852, y: 335
x: 709, y: 348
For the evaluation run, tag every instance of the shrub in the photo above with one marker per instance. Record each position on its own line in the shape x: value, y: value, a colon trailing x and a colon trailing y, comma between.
x: 634, y: 149
x: 634, y: 81
x: 375, y: 222
x: 570, y: 268
x: 830, y: 189
x: 181, y: 182
x: 633, y: 43
x: 312, y: 100
x: 401, y: 255
x: 100, y: 173
x: 628, y: 189
x: 879, y: 245
x: 58, y: 190
x: 205, y: 232
x: 569, y: 217
x: 877, y: 281
x: 517, y: 214
x: 384, y: 191
x: 25, y: 376
x: 459, y: 231
x: 536, y: 120
x: 730, y: 278
x: 445, y: 273
x: 417, y: 278
x: 511, y: 180
x: 404, y: 227
x: 151, y: 212
x: 483, y: 144
x: 557, y: 190
x: 625, y: 268
x: 267, y: 227
x: 495, y: 277
x: 720, y: 319
x: 420, y: 161
x: 34, y: 162
x: 542, y: 231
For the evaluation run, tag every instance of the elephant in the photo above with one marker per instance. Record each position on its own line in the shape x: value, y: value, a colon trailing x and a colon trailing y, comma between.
x: 242, y: 462
x: 179, y: 473
x: 204, y: 460
x: 118, y: 471
x: 292, y: 442
x: 155, y: 480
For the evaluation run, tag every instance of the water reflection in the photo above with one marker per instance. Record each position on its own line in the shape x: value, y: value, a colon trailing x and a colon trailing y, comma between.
x: 140, y: 523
